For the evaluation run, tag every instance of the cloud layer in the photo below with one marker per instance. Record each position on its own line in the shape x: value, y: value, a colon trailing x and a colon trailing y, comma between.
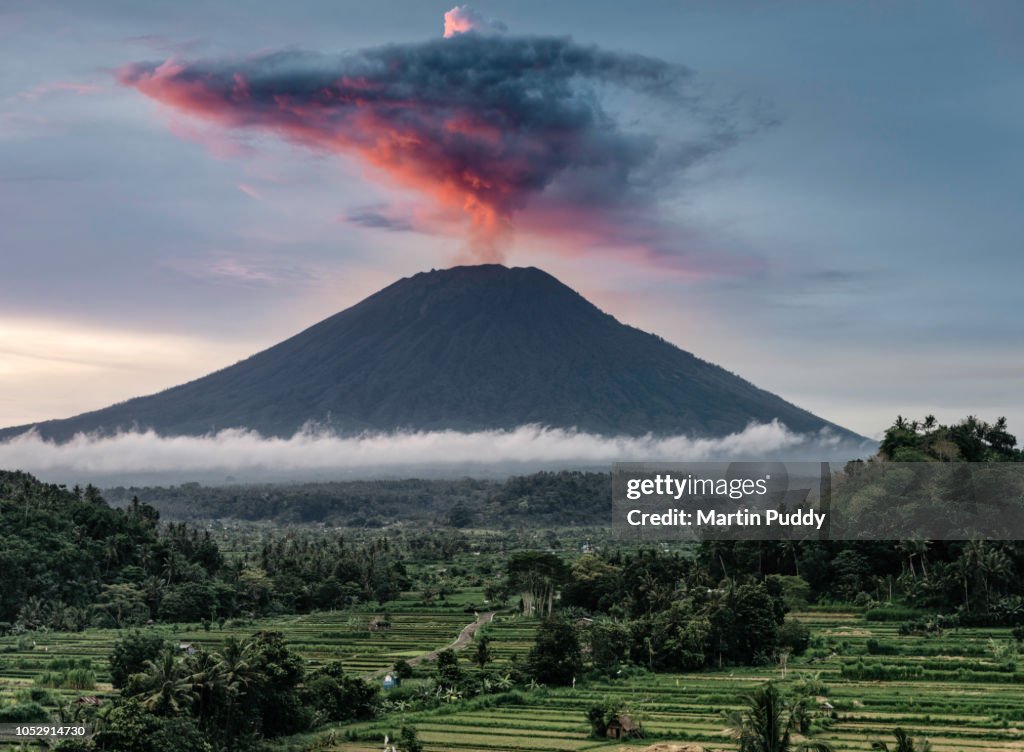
x: 243, y: 453
x: 485, y: 125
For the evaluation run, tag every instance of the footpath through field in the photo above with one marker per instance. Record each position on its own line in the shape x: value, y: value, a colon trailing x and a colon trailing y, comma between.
x: 464, y: 638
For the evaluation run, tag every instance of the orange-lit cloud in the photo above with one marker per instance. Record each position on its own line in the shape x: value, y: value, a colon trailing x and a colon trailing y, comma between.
x: 462, y: 19
x: 486, y: 125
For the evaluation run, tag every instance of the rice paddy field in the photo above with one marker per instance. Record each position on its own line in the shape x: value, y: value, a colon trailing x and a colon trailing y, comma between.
x: 322, y: 637
x: 956, y: 694
x: 955, y: 689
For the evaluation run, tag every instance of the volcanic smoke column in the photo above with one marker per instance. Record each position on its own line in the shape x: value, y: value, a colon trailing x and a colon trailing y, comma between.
x: 482, y: 123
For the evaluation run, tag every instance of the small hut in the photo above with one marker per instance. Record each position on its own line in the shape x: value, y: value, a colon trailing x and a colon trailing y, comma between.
x: 380, y: 624
x: 623, y: 726
x: 391, y: 681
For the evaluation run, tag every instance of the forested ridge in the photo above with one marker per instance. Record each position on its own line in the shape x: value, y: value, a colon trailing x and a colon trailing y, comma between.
x: 547, y: 499
x: 71, y: 561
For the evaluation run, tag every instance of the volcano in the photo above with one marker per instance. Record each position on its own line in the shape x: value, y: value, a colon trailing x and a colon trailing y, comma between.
x: 466, y: 349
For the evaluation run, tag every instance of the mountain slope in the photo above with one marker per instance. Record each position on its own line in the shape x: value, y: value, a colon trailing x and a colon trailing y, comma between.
x: 467, y: 348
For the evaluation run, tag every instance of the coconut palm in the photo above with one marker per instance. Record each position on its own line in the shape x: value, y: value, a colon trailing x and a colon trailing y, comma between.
x: 987, y: 562
x: 237, y: 674
x: 168, y: 685
x: 33, y: 615
x: 793, y: 549
x: 767, y: 724
x: 920, y: 548
x: 904, y: 743
x: 908, y: 549
x: 207, y: 681
x: 963, y: 568
x: 233, y: 663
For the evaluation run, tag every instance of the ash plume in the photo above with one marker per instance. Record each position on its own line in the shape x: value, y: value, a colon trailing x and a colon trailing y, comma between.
x: 485, y: 125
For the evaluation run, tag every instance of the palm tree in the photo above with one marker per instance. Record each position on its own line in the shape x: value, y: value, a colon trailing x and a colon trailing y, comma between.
x: 920, y: 548
x: 111, y: 552
x: 987, y: 562
x: 908, y: 549
x: 33, y: 614
x: 904, y: 743
x: 793, y: 549
x: 234, y: 666
x: 236, y: 675
x: 996, y: 565
x: 207, y: 681
x: 767, y: 723
x: 963, y: 567
x: 169, y: 687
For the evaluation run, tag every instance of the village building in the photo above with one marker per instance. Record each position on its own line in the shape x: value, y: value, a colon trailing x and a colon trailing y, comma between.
x: 623, y: 726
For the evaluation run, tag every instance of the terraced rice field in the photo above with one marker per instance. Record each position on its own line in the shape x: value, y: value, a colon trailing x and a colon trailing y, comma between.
x: 320, y: 638
x: 949, y: 706
x: 952, y: 689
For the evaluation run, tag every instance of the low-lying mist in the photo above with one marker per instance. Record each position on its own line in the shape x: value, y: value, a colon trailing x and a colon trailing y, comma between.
x: 237, y: 455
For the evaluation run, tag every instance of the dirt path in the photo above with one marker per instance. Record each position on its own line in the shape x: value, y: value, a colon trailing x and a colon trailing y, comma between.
x: 464, y: 638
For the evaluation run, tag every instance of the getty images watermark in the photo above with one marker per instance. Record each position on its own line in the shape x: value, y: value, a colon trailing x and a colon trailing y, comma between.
x: 817, y: 501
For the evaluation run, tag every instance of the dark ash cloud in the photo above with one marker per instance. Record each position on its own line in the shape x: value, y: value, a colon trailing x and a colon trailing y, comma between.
x: 378, y: 220
x: 488, y: 125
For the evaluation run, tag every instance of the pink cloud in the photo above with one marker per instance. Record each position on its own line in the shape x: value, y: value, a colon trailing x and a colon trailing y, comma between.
x: 462, y: 19
x: 248, y: 190
x: 59, y: 87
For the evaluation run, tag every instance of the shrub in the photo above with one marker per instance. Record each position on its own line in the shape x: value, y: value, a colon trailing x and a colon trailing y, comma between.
x: 893, y: 613
x: 24, y: 712
x: 130, y: 653
x: 78, y: 678
x: 408, y: 740
x: 448, y: 673
x: 555, y: 657
x: 795, y: 636
x: 875, y: 647
x: 37, y: 694
x: 336, y: 696
x: 796, y: 592
x: 599, y: 716
x: 862, y: 600
x: 67, y: 664
x: 402, y: 669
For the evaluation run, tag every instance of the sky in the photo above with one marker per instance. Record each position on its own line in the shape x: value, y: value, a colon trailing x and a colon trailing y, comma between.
x: 821, y: 197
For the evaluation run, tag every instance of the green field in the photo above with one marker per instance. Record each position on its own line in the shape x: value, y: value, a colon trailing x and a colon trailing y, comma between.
x: 953, y: 706
x: 949, y: 688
